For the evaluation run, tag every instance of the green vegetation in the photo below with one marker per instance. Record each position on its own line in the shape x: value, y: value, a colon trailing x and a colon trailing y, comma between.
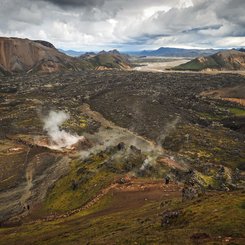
x: 215, y: 210
x: 197, y: 65
x: 199, y: 146
x: 237, y: 111
x: 109, y: 60
x: 83, y: 65
x: 77, y: 123
x: 81, y: 185
x: 141, y: 224
x: 210, y: 116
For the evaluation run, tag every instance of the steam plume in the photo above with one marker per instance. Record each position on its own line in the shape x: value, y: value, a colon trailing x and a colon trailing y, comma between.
x: 167, y: 130
x: 60, y: 138
x: 147, y: 162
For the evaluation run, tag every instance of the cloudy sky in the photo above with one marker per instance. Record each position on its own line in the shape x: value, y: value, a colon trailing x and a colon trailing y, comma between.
x: 126, y: 24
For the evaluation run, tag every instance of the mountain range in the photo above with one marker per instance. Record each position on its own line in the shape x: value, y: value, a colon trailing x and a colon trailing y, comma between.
x: 30, y: 56
x: 176, y: 52
x: 71, y: 52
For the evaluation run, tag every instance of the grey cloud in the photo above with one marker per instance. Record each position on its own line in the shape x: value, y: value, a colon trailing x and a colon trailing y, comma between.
x: 94, y: 23
x: 204, y: 21
x: 144, y: 39
x: 197, y: 29
x: 232, y: 11
x: 76, y: 3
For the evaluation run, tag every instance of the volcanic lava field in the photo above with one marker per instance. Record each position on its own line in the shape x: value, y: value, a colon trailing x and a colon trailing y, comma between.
x: 133, y: 130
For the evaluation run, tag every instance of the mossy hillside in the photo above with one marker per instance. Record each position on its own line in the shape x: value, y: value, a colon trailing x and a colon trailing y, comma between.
x: 206, y: 145
x: 224, y: 211
x: 142, y: 226
x: 103, y: 60
x: 83, y: 65
x: 109, y: 61
x: 197, y: 65
x: 81, y: 185
x: 88, y: 177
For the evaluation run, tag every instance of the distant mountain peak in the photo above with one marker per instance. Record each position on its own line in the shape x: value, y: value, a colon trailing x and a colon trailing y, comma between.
x: 177, y: 52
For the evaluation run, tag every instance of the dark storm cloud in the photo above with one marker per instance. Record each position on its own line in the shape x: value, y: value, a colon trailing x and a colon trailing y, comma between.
x: 233, y: 11
x: 144, y: 39
x: 76, y: 3
x: 197, y: 29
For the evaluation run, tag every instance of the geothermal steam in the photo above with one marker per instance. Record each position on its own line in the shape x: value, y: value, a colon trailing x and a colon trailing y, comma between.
x: 59, y: 138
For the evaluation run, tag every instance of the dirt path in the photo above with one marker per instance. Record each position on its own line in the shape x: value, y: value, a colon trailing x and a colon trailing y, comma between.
x: 172, y: 163
x: 132, y: 194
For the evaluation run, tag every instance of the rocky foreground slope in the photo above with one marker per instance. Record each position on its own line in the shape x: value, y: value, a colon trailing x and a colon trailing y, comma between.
x: 223, y: 61
x: 135, y: 129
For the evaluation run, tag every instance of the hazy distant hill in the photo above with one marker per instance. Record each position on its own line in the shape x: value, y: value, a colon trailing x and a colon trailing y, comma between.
x: 177, y: 52
x: 112, y: 59
x: 225, y: 60
x: 24, y: 55
x: 72, y: 53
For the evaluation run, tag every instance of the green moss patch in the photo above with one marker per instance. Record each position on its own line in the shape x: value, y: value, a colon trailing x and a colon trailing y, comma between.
x: 237, y: 112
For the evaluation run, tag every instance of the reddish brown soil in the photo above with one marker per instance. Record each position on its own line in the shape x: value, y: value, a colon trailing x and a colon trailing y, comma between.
x: 233, y: 94
x: 238, y: 101
x: 138, y: 193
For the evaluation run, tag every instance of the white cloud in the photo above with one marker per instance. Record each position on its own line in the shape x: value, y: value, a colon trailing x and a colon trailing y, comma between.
x: 97, y: 24
x: 231, y: 42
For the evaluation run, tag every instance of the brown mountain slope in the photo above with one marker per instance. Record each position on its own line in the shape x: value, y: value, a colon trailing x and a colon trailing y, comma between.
x: 23, y: 55
x: 224, y: 60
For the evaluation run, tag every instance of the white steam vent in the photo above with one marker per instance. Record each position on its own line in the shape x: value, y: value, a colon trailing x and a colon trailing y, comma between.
x: 60, y: 138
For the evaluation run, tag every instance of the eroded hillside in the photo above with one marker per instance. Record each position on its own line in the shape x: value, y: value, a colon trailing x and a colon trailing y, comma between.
x: 27, y: 56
